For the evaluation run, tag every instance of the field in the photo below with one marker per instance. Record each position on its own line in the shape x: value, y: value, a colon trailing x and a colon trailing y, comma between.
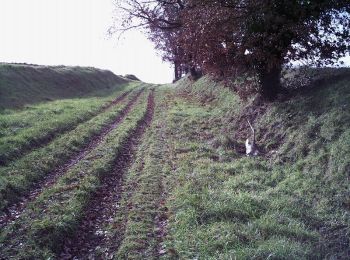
x: 141, y: 171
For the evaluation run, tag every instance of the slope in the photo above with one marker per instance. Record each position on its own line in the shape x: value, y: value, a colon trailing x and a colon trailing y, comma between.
x: 292, y: 202
x: 22, y: 84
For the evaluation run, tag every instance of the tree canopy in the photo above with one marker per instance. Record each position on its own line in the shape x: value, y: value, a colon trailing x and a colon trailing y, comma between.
x: 231, y: 37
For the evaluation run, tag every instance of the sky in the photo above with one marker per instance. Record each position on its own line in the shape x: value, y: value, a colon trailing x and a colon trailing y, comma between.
x: 75, y: 32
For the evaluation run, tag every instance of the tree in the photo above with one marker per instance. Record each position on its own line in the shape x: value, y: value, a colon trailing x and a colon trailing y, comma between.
x: 231, y: 37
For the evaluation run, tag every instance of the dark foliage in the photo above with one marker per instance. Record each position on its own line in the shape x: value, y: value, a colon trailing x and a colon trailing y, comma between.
x: 231, y: 37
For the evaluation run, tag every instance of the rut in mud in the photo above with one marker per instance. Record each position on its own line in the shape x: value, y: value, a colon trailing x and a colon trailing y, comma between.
x: 15, y: 210
x: 90, y: 237
x: 42, y: 142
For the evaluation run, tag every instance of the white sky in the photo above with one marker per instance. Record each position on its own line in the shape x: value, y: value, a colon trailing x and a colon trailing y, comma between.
x: 74, y: 32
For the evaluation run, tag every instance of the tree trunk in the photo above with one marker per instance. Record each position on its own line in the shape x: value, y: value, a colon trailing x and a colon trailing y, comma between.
x: 270, y: 81
x: 176, y: 70
x: 195, y: 74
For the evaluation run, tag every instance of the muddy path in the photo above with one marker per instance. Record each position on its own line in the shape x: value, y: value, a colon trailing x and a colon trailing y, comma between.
x: 15, y: 210
x: 91, y: 240
x: 42, y: 142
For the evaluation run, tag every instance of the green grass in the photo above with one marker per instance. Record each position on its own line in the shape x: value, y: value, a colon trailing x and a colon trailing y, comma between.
x: 143, y: 193
x: 18, y: 177
x: 21, y: 85
x: 57, y: 211
x: 291, y: 203
x: 23, y: 130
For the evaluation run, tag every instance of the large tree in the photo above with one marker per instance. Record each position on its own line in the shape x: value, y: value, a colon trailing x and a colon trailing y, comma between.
x: 230, y: 37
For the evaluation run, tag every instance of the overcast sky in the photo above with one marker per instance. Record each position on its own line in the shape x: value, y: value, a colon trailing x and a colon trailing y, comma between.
x: 74, y: 32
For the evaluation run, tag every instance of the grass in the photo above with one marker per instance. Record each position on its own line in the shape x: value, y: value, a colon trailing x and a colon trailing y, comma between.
x: 22, y: 84
x: 142, y: 202
x: 18, y: 177
x: 57, y: 211
x: 191, y: 192
x: 23, y: 130
x: 291, y: 203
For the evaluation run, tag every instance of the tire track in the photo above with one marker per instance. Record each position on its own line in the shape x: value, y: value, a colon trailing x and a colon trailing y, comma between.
x: 41, y: 142
x: 14, y: 211
x: 161, y: 223
x: 90, y: 237
x: 162, y: 218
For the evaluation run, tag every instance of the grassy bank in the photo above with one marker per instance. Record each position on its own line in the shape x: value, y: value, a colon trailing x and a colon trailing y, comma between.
x: 22, y: 84
x: 292, y: 202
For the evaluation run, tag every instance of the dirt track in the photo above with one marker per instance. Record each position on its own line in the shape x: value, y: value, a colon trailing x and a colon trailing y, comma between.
x: 91, y: 235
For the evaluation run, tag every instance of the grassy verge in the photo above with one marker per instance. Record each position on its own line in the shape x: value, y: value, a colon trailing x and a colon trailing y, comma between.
x: 23, y: 130
x: 40, y: 232
x: 18, y: 177
x: 290, y: 203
